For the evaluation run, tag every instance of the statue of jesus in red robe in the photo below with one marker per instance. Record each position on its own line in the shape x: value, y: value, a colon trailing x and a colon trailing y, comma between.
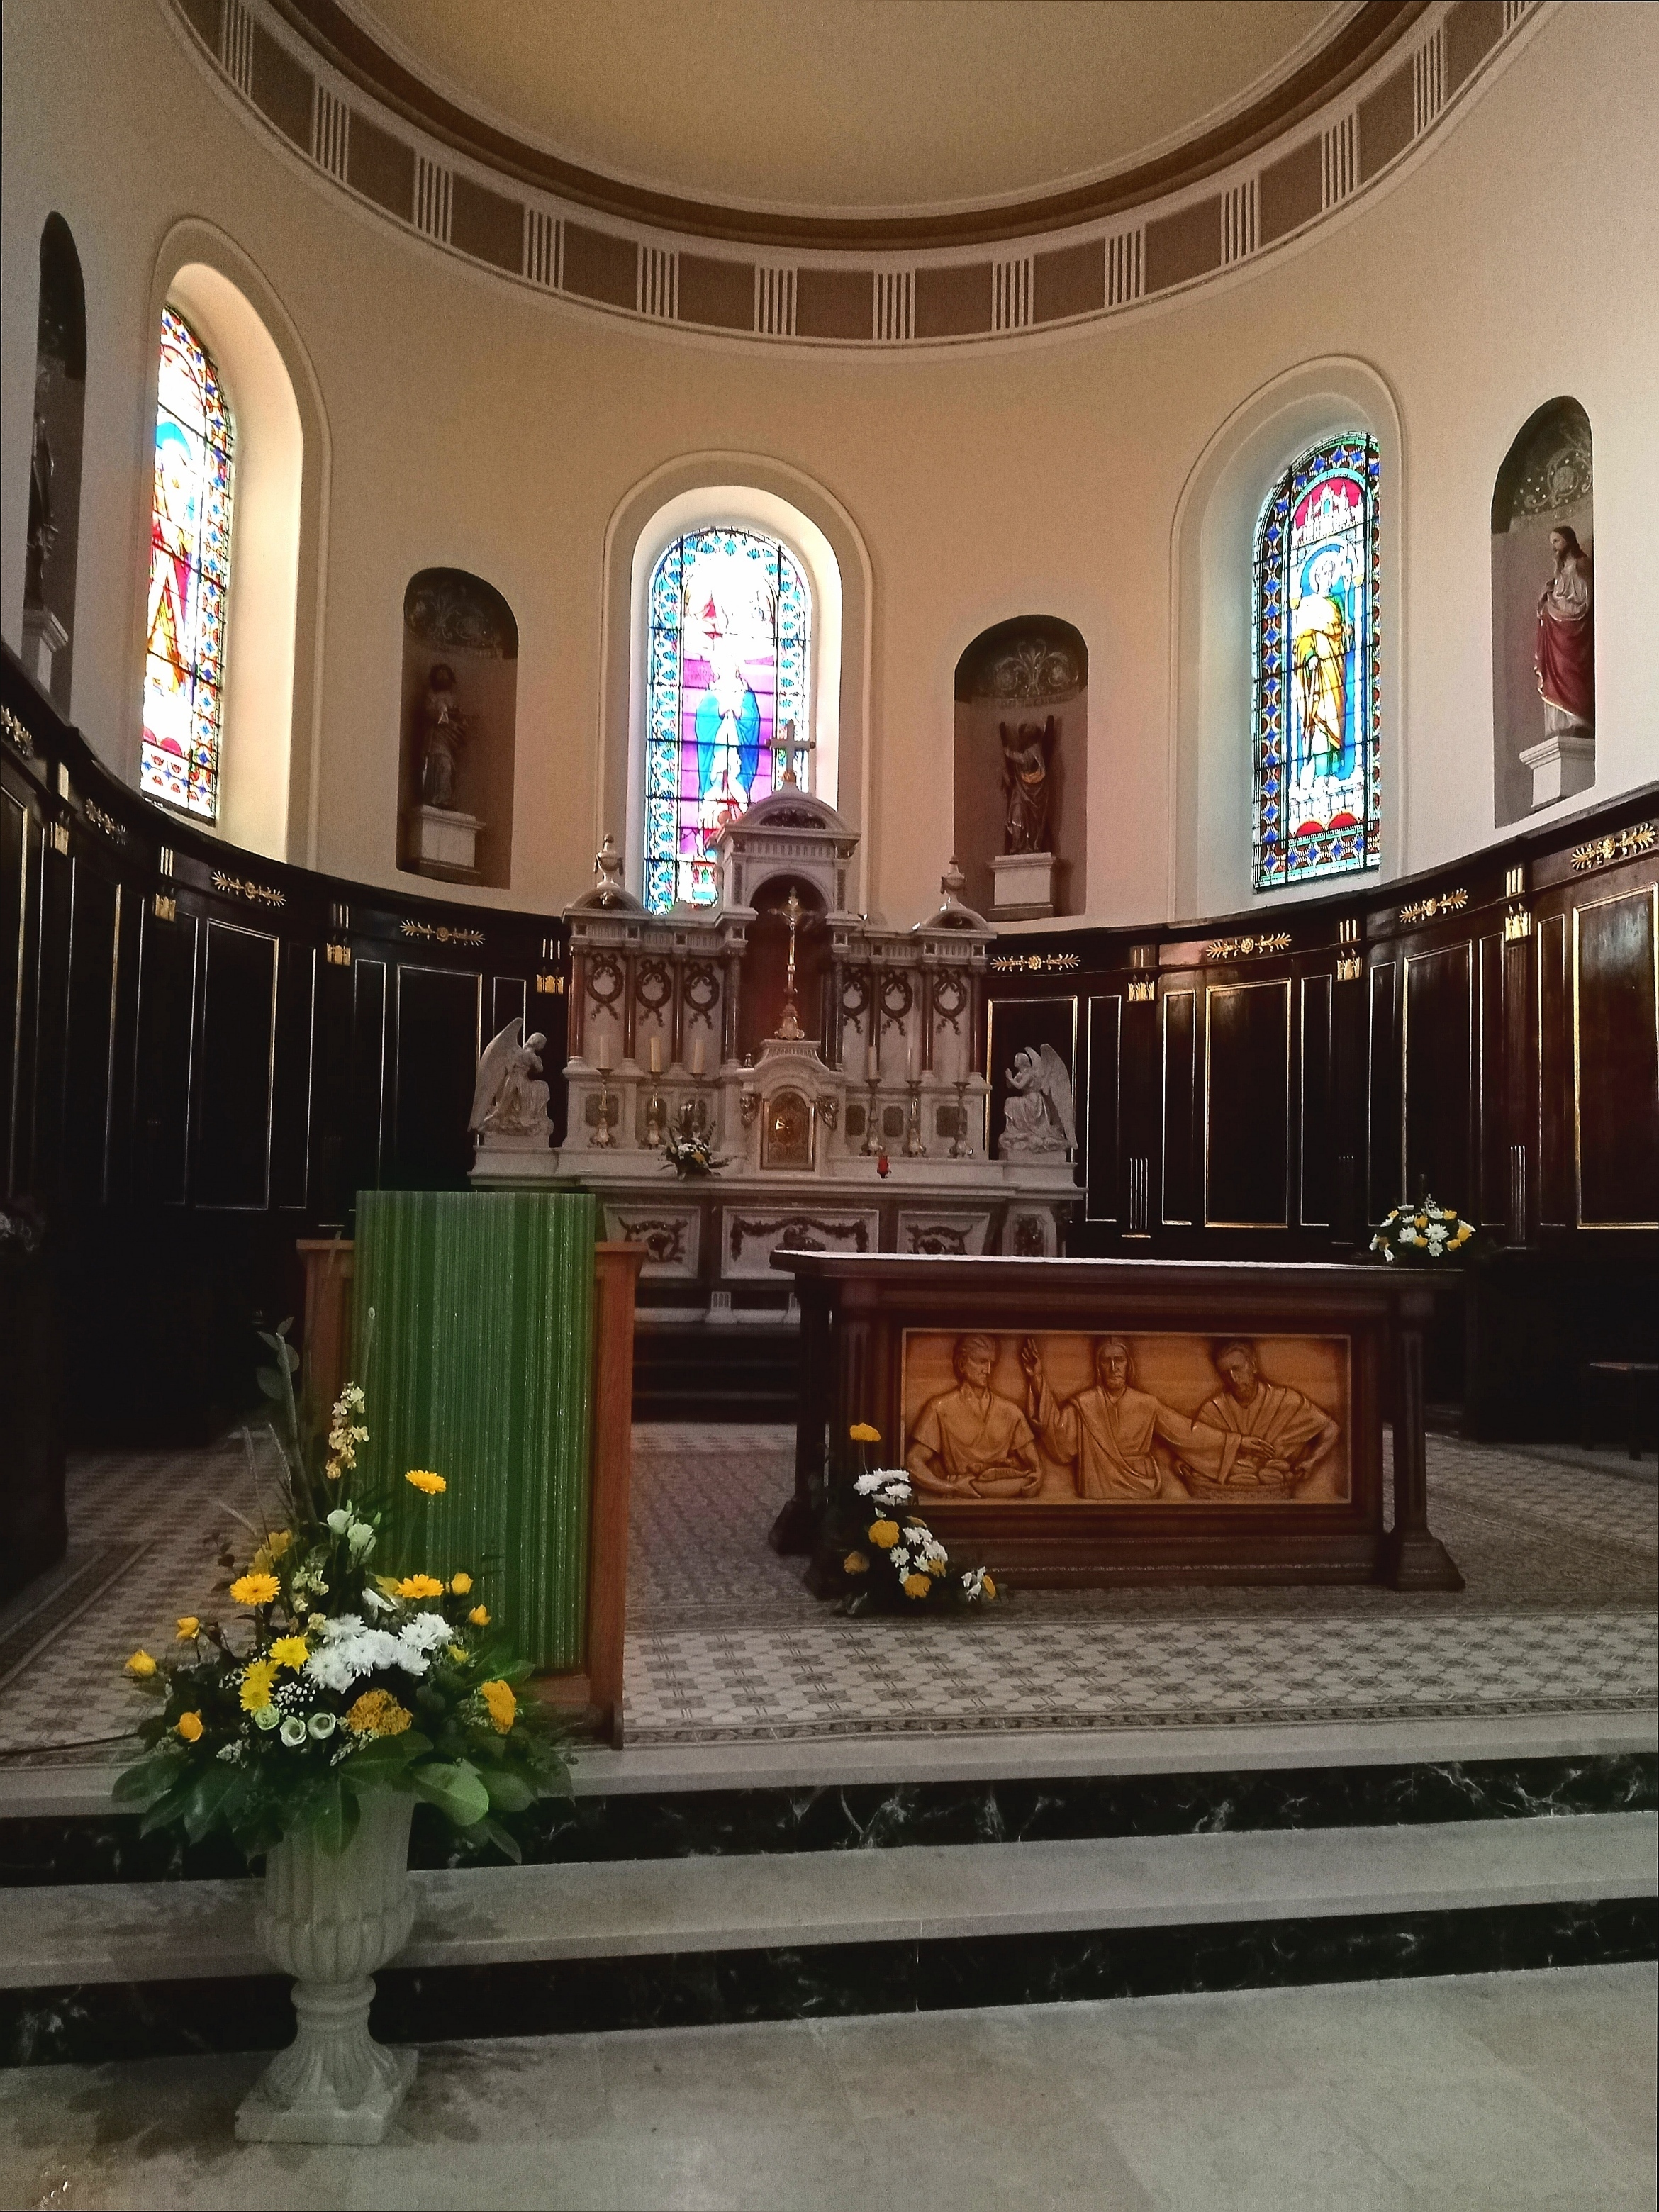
x: 1565, y: 654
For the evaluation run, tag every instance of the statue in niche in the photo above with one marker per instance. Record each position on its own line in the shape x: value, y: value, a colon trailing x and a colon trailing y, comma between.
x: 444, y: 734
x: 1564, y: 658
x: 971, y: 1442
x: 1025, y: 757
x: 510, y: 1101
x: 42, y: 529
x: 1037, y: 1121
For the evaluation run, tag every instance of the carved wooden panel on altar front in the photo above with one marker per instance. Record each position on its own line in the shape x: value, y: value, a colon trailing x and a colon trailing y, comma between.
x: 1049, y: 1419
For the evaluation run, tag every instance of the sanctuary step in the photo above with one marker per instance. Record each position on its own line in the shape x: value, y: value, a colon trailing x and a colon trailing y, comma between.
x: 743, y: 1372
x: 776, y: 1882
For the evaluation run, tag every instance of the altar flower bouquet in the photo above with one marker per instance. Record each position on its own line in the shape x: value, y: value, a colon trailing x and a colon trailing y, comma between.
x: 689, y: 1153
x: 890, y: 1558
x: 1426, y: 1231
x: 329, y: 1679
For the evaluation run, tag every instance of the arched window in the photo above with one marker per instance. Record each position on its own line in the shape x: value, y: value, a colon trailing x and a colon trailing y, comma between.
x: 189, y: 576
x: 1318, y: 755
x: 727, y: 706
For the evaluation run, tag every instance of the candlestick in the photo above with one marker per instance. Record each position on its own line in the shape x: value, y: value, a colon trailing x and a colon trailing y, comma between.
x: 915, y: 1144
x: 872, y: 1142
x: 960, y: 1147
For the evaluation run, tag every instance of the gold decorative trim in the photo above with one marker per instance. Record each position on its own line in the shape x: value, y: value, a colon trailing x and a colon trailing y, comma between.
x: 108, y: 822
x: 1143, y: 992
x: 1618, y: 845
x: 550, y: 987
x: 17, y: 733
x: 1036, y: 964
x: 166, y: 909
x: 439, y: 933
x: 1235, y: 948
x: 337, y: 956
x: 1517, y: 923
x: 1350, y: 967
x: 59, y: 837
x: 260, y: 894
x: 1426, y: 909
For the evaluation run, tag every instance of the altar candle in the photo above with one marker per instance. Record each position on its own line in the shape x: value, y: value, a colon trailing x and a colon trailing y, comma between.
x: 602, y: 1056
x: 656, y: 1055
x: 873, y: 1064
x: 697, y: 1057
x: 910, y: 1065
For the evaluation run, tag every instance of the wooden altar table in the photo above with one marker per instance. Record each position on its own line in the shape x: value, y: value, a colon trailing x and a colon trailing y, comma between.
x: 1075, y: 1423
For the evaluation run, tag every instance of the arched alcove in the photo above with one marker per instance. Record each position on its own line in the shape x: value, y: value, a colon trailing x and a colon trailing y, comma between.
x: 460, y: 724
x: 766, y: 963
x: 1022, y: 687
x: 54, y: 510
x: 1213, y: 545
x: 1543, y: 679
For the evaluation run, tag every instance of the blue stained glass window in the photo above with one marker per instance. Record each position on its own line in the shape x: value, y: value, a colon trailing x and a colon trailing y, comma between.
x: 189, y: 576
x: 730, y: 615
x: 1318, y: 750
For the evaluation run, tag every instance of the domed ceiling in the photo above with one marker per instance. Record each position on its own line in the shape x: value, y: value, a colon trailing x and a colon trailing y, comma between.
x: 859, y: 116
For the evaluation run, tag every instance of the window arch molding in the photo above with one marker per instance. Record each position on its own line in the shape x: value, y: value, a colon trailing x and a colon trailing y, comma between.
x: 271, y: 733
x: 747, y: 492
x: 1212, y: 547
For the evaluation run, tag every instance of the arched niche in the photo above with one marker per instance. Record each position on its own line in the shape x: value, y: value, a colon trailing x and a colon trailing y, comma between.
x: 1543, y: 507
x: 1020, y: 675
x: 270, y: 732
x: 54, y: 509
x: 1212, y: 769
x: 460, y: 724
x: 766, y: 963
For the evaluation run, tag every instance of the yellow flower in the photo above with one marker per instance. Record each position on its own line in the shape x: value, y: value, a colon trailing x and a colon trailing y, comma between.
x: 424, y: 1479
x: 256, y: 1683
x: 255, y: 1589
x: 916, y: 1585
x: 503, y: 1706
x: 188, y: 1627
x: 457, y: 1654
x: 461, y: 1584
x: 862, y: 1433
x: 885, y: 1533
x: 377, y: 1712
x: 987, y: 1587
x: 278, y: 1543
x: 141, y: 1664
x: 856, y: 1563
x: 290, y: 1651
x: 479, y: 1616
x: 189, y: 1726
x: 1419, y: 1221
x: 419, y: 1586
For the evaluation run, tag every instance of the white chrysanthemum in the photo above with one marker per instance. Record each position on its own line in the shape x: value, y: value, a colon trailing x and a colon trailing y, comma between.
x: 373, y: 1598
x: 424, y: 1631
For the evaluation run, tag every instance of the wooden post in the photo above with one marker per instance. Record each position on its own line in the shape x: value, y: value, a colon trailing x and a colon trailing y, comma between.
x: 615, y: 1271
x: 1414, y: 1558
x: 330, y: 1263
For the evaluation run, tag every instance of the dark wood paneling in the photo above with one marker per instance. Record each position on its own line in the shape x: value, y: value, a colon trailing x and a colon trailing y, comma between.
x: 366, y: 1116
x: 236, y: 1063
x: 19, y: 861
x: 50, y: 1169
x: 506, y: 999
x: 1017, y: 1025
x: 1247, y: 1105
x: 90, y: 1044
x: 1314, y: 1178
x: 1615, y: 1017
x: 1437, y: 1053
x: 1103, y: 1107
x: 1384, y: 1165
x: 167, y: 1019
x: 439, y: 1014
x: 1554, y: 1151
x: 1178, y: 1175
x: 1489, y: 1202
x: 290, y: 1105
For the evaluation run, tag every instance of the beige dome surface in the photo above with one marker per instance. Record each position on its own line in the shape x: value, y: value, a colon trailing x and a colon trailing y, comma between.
x: 854, y: 108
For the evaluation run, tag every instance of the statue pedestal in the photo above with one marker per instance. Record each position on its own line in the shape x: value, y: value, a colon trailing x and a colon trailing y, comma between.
x: 44, y: 639
x: 1024, y: 886
x: 1560, y: 766
x: 444, y: 842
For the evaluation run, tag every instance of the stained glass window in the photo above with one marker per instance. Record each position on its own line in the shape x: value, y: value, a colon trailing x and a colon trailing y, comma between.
x: 189, y: 576
x: 1318, y: 755
x: 727, y: 688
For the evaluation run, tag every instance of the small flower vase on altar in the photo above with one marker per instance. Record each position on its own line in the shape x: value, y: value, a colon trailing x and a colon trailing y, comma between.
x: 332, y: 1921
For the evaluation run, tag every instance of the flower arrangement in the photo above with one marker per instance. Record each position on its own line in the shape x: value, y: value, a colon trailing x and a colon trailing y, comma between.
x: 329, y: 1679
x: 890, y: 1558
x: 690, y: 1152
x: 1425, y: 1231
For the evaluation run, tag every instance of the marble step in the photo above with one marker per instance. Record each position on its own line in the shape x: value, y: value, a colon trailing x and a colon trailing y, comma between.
x: 165, y: 1932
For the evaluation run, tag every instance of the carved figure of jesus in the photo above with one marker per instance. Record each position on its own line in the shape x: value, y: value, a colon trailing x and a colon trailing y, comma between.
x: 1025, y: 757
x: 1565, y: 654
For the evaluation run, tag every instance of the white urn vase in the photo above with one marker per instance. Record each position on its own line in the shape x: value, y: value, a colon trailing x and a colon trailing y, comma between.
x: 332, y: 1921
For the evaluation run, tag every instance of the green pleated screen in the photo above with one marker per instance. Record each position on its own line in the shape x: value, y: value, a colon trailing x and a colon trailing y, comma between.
x: 480, y: 1367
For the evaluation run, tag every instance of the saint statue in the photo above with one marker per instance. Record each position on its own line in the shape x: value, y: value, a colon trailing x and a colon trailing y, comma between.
x: 444, y: 734
x: 1108, y: 1434
x: 1037, y: 1120
x: 1565, y: 654
x: 971, y: 1442
x: 510, y: 1101
x: 1025, y: 757
x: 1257, y: 1418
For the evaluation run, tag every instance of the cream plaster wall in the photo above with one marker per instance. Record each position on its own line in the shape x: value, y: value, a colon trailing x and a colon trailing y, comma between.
x: 476, y: 426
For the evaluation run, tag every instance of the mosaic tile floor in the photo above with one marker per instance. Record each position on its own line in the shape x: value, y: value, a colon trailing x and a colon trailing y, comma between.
x: 725, y: 1645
